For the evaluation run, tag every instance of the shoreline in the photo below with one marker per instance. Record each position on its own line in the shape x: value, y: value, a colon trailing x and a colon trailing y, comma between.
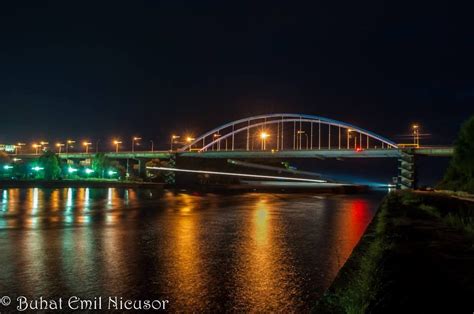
x: 204, y: 188
x: 78, y: 184
x: 415, y: 255
x: 244, y: 188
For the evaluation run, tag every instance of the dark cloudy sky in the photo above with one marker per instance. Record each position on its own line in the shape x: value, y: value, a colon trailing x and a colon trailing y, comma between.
x: 99, y: 69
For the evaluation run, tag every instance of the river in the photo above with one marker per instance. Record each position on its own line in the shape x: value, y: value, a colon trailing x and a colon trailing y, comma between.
x: 202, y: 252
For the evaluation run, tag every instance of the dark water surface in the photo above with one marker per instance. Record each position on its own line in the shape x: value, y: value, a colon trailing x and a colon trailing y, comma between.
x: 248, y: 252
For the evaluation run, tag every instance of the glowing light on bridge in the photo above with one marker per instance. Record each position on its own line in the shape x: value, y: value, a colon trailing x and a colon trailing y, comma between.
x: 59, y: 146
x: 87, y: 144
x: 135, y: 140
x: 117, y: 143
x: 36, y: 147
x: 173, y: 138
x: 416, y: 135
x: 264, y: 135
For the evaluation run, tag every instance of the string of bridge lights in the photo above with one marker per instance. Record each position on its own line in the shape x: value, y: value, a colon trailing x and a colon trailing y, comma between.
x: 64, y: 147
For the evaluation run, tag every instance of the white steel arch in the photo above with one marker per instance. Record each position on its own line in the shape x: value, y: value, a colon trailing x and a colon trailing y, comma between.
x: 231, y: 129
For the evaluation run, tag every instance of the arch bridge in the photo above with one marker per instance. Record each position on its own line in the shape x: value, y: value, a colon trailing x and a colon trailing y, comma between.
x: 287, y: 132
x: 285, y: 135
x: 288, y: 135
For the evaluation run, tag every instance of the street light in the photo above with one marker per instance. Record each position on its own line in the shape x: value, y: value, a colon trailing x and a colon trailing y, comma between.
x: 173, y: 137
x: 87, y: 144
x: 264, y: 135
x: 134, y: 139
x: 416, y: 135
x: 152, y: 144
x: 189, y: 140
x: 44, y: 143
x: 59, y: 146
x: 216, y: 136
x: 300, y: 133
x: 36, y: 147
x: 117, y: 143
x: 348, y: 137
x: 68, y: 144
x: 18, y: 147
x: 71, y: 169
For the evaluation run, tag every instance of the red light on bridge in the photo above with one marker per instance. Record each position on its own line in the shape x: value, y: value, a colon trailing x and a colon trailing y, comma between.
x: 359, y: 149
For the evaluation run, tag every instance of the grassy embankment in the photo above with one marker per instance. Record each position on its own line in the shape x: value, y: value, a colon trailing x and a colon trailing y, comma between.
x: 416, y: 255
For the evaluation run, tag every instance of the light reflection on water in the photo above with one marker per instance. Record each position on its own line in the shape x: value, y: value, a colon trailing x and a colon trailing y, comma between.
x: 249, y: 252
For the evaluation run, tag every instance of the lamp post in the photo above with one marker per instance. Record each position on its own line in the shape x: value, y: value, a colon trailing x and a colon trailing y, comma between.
x: 264, y: 135
x: 300, y: 134
x: 134, y: 139
x: 117, y: 143
x: 36, y: 147
x: 216, y: 136
x: 348, y: 137
x: 173, y: 137
x: 152, y: 144
x: 86, y: 145
x: 189, y: 139
x: 68, y: 144
x: 59, y: 146
x: 44, y: 143
x: 416, y: 135
x: 18, y: 147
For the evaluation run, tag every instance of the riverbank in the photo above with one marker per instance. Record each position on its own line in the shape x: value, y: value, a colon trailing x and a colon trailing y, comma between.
x: 78, y: 184
x: 416, y: 255
x: 204, y: 188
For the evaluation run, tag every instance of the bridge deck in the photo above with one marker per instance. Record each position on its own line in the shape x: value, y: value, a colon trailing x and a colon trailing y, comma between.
x: 315, y: 153
x: 319, y: 154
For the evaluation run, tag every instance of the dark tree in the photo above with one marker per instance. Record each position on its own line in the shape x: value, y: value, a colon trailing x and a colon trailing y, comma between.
x: 100, y: 163
x: 460, y: 173
x: 51, y: 164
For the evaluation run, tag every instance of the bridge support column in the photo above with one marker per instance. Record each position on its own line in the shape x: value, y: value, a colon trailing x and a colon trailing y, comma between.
x: 169, y: 176
x: 142, y: 168
x: 406, y: 170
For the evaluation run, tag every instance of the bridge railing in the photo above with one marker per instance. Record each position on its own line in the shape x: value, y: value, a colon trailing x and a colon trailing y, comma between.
x: 287, y: 132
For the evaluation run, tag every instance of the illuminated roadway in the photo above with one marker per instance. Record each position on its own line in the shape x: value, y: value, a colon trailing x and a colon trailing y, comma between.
x: 256, y: 154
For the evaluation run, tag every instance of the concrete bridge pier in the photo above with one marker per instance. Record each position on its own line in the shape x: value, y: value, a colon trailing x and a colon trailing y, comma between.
x: 170, y: 176
x: 406, y: 170
x: 142, y: 167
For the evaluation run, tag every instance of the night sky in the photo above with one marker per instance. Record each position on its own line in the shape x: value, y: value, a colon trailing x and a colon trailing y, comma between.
x: 78, y: 69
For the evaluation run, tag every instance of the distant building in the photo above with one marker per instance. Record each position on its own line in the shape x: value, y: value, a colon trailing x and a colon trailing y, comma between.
x: 7, y: 148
